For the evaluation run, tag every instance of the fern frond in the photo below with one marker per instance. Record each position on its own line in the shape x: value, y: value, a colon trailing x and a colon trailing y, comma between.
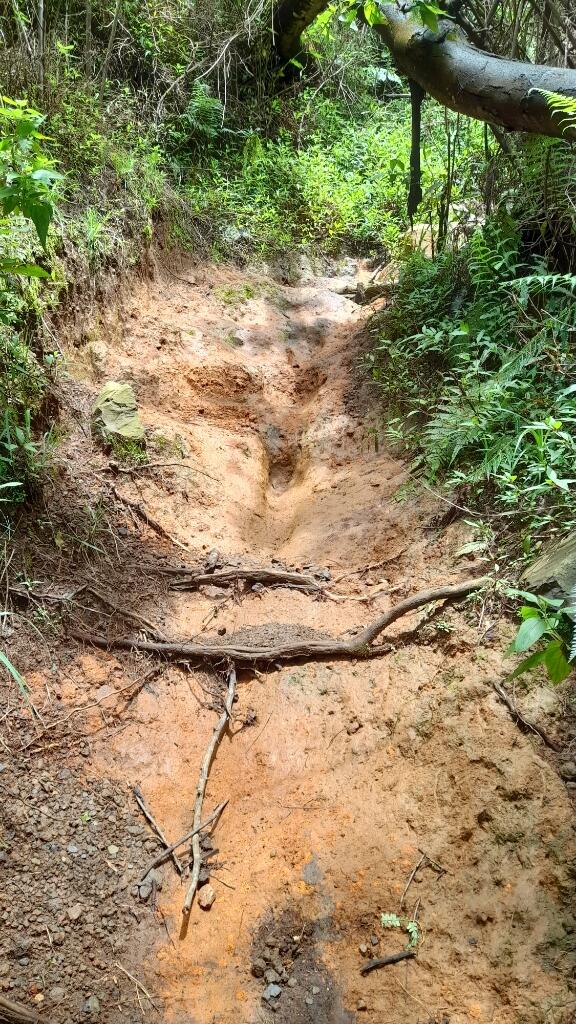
x: 564, y: 106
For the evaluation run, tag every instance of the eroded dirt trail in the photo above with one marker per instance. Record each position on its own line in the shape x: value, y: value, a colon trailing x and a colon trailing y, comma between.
x: 349, y: 769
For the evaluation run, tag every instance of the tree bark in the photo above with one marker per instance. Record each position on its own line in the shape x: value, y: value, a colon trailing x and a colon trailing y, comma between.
x: 291, y: 18
x: 458, y: 75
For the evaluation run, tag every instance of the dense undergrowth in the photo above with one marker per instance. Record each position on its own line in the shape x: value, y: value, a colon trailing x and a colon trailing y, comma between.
x: 477, y: 358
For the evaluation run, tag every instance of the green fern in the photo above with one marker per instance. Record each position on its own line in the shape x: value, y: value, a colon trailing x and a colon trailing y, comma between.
x: 564, y: 106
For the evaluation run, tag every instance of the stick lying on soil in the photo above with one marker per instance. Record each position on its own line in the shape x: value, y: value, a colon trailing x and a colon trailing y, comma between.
x: 184, y: 839
x: 139, y: 798
x: 525, y: 723
x: 201, y: 789
x: 15, y: 1013
x: 188, y: 579
x: 324, y: 647
x: 385, y: 961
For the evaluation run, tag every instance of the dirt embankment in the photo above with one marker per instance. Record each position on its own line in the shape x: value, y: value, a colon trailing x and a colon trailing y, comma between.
x: 340, y: 776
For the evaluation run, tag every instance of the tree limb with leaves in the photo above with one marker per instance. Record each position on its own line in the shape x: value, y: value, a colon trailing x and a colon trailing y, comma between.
x: 429, y: 48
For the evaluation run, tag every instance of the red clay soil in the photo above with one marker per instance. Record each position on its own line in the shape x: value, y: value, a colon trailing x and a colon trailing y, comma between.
x: 339, y: 776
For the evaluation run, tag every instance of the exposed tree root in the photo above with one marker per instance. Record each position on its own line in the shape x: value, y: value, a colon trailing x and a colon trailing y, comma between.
x: 242, y: 651
x: 189, y: 579
x: 523, y: 722
x: 15, y: 1013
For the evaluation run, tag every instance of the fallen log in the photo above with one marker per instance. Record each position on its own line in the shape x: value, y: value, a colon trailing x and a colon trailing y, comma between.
x: 244, y: 651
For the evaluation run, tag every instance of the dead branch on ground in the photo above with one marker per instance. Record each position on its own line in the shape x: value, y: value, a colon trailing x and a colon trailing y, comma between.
x: 188, y: 579
x: 523, y: 722
x: 201, y: 788
x: 357, y: 645
x: 184, y: 839
x: 15, y: 1013
x: 385, y: 961
x: 139, y: 798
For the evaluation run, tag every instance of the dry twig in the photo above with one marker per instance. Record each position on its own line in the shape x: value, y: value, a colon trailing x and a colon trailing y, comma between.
x: 201, y: 788
x: 138, y: 984
x: 385, y: 961
x: 184, y: 839
x: 523, y: 722
x: 139, y: 797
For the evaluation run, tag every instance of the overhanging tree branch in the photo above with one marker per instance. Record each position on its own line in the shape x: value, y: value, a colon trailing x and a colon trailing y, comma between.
x: 460, y: 76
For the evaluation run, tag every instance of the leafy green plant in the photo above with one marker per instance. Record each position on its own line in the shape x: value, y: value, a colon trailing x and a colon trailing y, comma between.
x: 484, y: 384
x: 27, y: 176
x: 564, y: 107
x: 406, y: 924
x: 547, y: 623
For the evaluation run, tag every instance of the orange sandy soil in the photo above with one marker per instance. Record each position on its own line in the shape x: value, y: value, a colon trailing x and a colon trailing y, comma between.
x: 352, y: 767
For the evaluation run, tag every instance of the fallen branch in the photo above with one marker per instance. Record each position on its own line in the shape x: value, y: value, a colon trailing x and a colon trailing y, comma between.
x: 191, y: 580
x: 184, y: 839
x: 224, y: 577
x: 357, y: 645
x: 201, y: 788
x: 139, y: 798
x: 15, y: 1013
x: 523, y: 722
x: 385, y: 961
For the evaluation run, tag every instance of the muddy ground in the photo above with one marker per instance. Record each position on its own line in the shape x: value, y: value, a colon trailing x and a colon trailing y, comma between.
x: 264, y: 446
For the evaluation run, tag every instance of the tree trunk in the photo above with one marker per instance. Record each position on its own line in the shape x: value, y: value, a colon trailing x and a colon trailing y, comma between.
x: 291, y: 18
x: 466, y: 79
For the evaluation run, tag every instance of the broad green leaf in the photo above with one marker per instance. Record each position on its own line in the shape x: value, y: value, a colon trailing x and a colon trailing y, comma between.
x: 535, y: 659
x: 22, y: 269
x: 529, y: 633
x: 373, y: 14
x: 428, y: 17
x: 529, y: 612
x: 41, y: 216
x: 557, y: 665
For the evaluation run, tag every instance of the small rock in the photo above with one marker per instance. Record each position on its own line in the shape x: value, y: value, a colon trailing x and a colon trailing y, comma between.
x: 71, y: 848
x: 145, y: 890
x: 309, y: 1001
x: 113, y: 851
x: 271, y: 977
x: 353, y: 726
x: 206, y: 897
x: 315, y: 990
x: 92, y: 1006
x: 57, y: 994
x: 292, y: 983
x: 212, y: 560
x: 75, y: 912
x: 374, y: 940
x: 361, y: 1004
x: 271, y: 992
x: 258, y: 967
x: 363, y: 949
x: 568, y: 770
x: 214, y: 592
